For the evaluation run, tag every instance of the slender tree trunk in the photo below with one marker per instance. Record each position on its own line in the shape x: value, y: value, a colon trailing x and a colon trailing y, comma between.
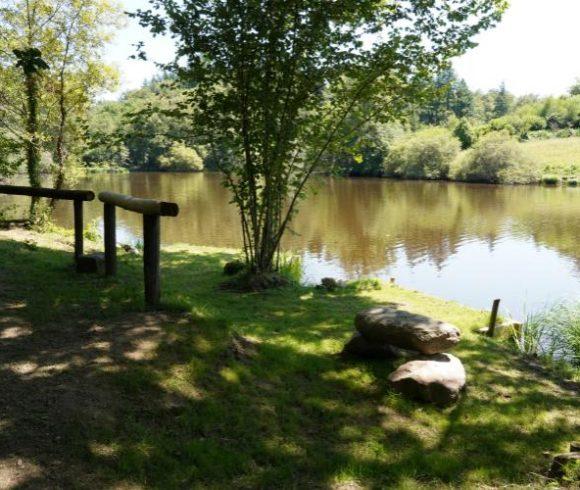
x: 60, y: 150
x: 33, y: 141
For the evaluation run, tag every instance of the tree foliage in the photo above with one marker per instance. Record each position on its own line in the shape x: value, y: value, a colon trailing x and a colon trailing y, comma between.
x: 44, y: 112
x: 276, y: 81
x: 426, y: 154
x: 497, y: 159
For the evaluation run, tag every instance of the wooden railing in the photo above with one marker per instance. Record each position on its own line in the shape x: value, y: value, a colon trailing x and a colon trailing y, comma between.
x: 151, y: 210
x: 77, y: 196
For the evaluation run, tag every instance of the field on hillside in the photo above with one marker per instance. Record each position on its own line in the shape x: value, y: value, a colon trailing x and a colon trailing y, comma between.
x: 559, y: 155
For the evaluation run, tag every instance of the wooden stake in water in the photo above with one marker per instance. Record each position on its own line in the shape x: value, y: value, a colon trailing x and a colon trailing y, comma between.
x: 493, y: 318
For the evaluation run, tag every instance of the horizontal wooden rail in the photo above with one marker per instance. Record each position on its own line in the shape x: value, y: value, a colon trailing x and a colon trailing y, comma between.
x: 148, y: 207
x: 152, y: 211
x: 70, y: 195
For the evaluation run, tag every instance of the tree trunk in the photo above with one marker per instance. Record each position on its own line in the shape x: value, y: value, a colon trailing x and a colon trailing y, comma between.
x: 33, y: 142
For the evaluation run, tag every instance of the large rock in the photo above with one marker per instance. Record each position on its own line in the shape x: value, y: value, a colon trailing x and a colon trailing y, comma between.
x: 436, y: 379
x: 358, y: 346
x: 407, y: 330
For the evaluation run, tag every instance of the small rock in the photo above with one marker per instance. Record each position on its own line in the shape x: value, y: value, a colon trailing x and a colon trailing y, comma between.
x: 575, y: 447
x: 234, y: 267
x: 330, y: 284
x: 406, y: 330
x: 561, y: 462
x: 436, y: 379
x: 130, y: 249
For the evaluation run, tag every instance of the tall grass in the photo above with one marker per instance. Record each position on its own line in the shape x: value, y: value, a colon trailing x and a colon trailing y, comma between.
x: 552, y: 334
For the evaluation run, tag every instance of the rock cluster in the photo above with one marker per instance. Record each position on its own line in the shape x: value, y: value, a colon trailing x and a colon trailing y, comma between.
x: 388, y: 333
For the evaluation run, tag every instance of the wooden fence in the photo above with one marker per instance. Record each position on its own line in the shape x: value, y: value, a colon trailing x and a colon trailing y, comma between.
x: 152, y: 211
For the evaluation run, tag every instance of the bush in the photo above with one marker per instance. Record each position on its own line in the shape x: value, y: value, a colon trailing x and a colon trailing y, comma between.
x: 181, y: 158
x: 572, y: 182
x: 426, y: 154
x: 465, y: 134
x: 550, y: 179
x: 497, y: 159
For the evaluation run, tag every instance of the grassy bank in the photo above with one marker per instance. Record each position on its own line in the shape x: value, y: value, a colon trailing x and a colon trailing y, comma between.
x: 98, y: 393
x: 558, y: 155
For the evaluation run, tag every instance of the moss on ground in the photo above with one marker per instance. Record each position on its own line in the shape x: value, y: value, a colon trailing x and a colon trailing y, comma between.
x: 160, y: 401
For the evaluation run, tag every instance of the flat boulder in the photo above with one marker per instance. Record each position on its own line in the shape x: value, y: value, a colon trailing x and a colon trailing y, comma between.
x: 384, y: 325
x: 437, y: 379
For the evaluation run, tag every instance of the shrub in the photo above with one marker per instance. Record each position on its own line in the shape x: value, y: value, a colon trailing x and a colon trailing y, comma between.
x: 465, y: 134
x: 497, y: 159
x: 426, y: 154
x: 550, y: 179
x: 572, y: 182
x: 180, y: 157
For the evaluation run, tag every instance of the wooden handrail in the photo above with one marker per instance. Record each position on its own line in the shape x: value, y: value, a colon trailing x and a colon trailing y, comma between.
x: 70, y: 195
x: 152, y: 211
x: 148, y: 207
x: 67, y: 194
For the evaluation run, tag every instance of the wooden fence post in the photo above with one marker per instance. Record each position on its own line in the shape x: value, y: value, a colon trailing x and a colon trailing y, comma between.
x: 78, y: 219
x: 110, y: 240
x: 493, y: 318
x: 152, y: 211
x: 151, y: 245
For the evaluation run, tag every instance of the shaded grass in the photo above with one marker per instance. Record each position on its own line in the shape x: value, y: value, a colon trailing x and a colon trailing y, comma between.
x: 294, y: 416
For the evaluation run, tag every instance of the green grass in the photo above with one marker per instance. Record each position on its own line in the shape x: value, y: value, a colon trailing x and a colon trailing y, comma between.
x: 294, y: 416
x: 559, y: 156
x: 553, y: 335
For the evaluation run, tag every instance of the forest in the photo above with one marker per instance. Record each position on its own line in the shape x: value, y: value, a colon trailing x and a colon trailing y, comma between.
x: 53, y: 109
x: 143, y: 131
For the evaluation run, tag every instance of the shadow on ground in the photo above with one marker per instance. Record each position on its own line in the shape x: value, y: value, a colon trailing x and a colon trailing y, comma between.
x: 97, y: 393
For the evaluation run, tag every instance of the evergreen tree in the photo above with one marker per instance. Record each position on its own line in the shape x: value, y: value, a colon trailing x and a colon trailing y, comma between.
x: 502, y: 101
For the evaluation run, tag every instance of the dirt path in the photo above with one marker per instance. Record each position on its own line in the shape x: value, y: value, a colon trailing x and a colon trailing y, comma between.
x: 53, y: 381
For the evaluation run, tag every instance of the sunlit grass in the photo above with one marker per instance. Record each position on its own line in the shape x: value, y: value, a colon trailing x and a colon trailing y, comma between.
x: 296, y: 415
x: 559, y: 156
x: 553, y: 334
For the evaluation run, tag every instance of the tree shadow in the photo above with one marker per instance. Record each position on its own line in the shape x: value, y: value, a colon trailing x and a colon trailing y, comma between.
x: 97, y: 393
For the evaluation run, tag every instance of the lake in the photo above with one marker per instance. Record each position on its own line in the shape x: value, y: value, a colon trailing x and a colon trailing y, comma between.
x: 465, y: 242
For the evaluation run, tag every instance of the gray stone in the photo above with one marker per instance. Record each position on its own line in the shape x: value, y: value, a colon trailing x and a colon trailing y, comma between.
x: 437, y: 379
x: 358, y: 346
x: 406, y: 330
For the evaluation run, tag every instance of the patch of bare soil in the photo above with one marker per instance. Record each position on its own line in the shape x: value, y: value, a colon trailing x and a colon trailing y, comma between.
x: 53, y: 382
x: 47, y: 240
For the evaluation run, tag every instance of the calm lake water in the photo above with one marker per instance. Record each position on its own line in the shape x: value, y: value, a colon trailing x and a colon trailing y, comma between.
x: 470, y: 243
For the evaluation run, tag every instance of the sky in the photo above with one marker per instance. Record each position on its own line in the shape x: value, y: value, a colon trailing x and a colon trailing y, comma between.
x: 534, y: 50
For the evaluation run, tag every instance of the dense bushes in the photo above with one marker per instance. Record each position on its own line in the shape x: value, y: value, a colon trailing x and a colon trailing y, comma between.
x: 496, y: 159
x: 426, y: 154
x: 181, y: 158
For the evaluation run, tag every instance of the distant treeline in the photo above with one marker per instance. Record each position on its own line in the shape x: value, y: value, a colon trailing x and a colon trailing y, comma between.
x: 148, y: 129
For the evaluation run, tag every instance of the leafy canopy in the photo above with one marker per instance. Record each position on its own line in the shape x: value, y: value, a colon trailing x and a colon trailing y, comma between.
x: 275, y: 81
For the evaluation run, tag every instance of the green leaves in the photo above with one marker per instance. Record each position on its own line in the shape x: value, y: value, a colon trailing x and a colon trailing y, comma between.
x: 276, y: 81
x: 30, y: 60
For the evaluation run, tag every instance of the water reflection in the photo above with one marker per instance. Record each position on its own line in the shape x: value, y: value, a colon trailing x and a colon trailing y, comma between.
x: 465, y: 242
